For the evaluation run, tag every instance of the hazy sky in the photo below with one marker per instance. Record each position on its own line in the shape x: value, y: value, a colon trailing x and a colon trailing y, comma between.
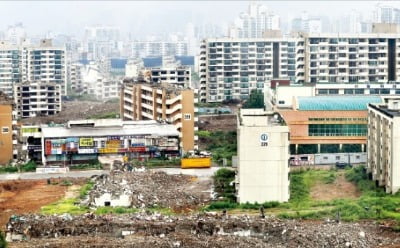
x: 147, y: 17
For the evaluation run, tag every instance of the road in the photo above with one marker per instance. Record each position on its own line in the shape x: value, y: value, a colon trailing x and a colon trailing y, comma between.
x: 33, y: 175
x: 88, y: 173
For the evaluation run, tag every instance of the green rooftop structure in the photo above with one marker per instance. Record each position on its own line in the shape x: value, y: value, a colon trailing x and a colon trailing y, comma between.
x: 336, y: 102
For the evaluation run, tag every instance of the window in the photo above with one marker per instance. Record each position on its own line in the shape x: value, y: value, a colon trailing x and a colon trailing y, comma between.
x: 281, y: 102
x: 4, y: 130
x: 187, y: 117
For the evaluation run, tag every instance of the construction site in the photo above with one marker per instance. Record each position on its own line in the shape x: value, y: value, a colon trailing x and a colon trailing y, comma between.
x: 151, y: 208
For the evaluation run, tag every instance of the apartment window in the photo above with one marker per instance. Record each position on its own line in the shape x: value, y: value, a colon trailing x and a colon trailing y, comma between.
x: 187, y: 117
x: 4, y: 130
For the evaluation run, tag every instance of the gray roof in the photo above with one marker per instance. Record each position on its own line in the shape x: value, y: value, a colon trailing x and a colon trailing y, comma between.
x: 138, y: 129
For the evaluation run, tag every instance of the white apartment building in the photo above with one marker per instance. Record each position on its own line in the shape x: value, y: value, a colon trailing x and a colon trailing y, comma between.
x: 263, y: 156
x: 383, y: 144
x: 231, y: 68
x: 254, y: 22
x: 43, y: 63
x: 179, y: 75
x: 142, y: 49
x: 104, y: 89
x: 37, y: 98
x: 76, y: 78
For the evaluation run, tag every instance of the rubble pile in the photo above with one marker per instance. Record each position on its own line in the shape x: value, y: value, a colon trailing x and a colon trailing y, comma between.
x: 148, y: 189
x: 205, y: 230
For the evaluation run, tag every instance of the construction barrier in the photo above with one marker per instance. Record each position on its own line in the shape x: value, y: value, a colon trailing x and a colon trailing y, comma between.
x: 187, y: 163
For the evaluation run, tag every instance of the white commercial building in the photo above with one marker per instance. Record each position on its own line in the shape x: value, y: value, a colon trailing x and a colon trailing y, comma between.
x: 383, y: 144
x: 263, y: 155
x: 231, y: 68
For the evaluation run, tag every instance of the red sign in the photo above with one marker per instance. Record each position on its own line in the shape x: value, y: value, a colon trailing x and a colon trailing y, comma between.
x: 47, y: 147
x: 137, y: 149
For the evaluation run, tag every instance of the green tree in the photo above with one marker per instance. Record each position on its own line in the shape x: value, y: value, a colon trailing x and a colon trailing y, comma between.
x: 256, y: 100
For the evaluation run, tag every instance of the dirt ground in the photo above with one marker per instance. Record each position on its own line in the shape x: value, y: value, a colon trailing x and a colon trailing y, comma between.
x: 74, y: 110
x: 218, y: 122
x: 339, y: 189
x: 28, y: 196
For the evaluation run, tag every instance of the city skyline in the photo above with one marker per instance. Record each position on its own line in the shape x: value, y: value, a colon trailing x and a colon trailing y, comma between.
x: 139, y: 18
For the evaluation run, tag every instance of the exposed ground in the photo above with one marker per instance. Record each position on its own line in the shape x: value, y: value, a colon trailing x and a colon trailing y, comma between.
x: 217, y: 122
x: 339, y: 189
x: 73, y: 110
x: 28, y: 196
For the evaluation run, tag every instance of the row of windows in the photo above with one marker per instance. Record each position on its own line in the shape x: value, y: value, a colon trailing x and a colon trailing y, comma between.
x: 338, y: 119
x: 337, y: 130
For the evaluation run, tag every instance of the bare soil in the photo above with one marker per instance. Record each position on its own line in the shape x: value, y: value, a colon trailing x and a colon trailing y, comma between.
x: 28, y: 196
x: 339, y: 189
x: 218, y: 122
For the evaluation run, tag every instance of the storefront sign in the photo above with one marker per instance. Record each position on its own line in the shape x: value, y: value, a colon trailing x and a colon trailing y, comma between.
x: 86, y: 142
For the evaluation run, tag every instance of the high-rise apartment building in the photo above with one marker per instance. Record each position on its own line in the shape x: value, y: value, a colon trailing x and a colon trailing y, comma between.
x: 231, y: 68
x: 254, y: 22
x: 43, y: 63
x: 384, y: 143
x: 384, y: 13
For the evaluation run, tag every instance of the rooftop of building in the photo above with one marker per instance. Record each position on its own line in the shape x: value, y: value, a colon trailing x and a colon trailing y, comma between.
x: 349, y: 103
x: 259, y: 117
x: 108, y: 127
x: 170, y: 88
x: 384, y: 109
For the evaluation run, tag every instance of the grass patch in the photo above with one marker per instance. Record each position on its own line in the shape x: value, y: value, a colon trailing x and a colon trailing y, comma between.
x: 110, y: 115
x: 64, y: 206
x: 373, y: 203
x: 85, y: 189
x: 115, y: 210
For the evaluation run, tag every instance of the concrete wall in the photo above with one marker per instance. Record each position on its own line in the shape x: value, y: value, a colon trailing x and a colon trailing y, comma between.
x: 263, y: 168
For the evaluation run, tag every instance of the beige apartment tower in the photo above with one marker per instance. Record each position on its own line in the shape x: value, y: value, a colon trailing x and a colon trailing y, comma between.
x: 263, y: 155
x: 383, y: 144
x: 162, y: 102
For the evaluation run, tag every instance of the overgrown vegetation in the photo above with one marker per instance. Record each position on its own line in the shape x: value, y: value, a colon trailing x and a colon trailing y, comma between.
x: 373, y: 203
x: 3, y: 242
x: 157, y: 162
x: 256, y: 100
x: 221, y: 144
x: 85, y: 189
x: 110, y: 115
x: 224, y: 184
x: 93, y: 164
x: 29, y: 166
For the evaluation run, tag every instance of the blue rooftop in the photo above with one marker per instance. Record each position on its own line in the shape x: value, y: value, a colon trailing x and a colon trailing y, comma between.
x: 336, y: 102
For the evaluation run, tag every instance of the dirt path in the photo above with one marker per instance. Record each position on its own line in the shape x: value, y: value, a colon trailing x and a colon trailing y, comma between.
x: 339, y: 189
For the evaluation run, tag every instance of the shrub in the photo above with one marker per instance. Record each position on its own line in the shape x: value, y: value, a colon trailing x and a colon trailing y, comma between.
x: 30, y: 166
x: 3, y: 243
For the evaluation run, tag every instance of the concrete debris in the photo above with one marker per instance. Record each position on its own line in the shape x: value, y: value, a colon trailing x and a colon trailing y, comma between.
x: 144, y: 189
x: 203, y: 230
